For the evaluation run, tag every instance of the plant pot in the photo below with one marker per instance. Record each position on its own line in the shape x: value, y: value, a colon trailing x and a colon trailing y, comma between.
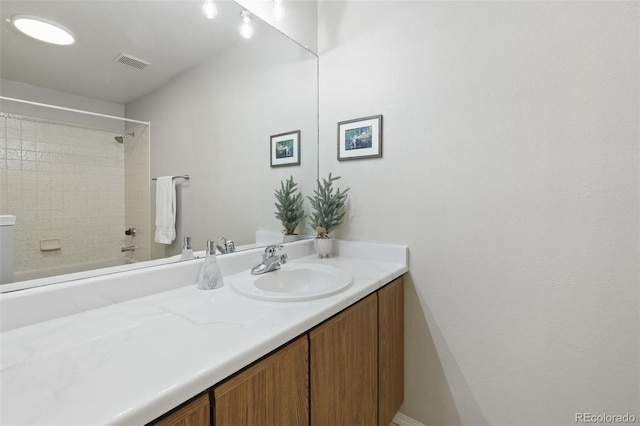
x: 287, y: 238
x: 324, y: 247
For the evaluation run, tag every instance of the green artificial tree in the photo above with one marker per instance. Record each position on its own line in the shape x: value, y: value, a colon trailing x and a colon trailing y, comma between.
x: 289, y: 204
x: 328, y: 207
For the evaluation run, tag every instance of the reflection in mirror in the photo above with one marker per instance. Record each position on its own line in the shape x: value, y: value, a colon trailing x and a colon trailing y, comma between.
x: 67, y: 186
x: 212, y: 100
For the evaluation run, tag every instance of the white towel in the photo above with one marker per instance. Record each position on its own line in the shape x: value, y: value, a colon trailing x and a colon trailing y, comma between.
x: 165, y: 210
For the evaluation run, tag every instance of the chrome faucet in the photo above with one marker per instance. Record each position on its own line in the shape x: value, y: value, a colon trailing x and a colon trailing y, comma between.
x: 227, y: 246
x: 127, y: 248
x: 270, y: 261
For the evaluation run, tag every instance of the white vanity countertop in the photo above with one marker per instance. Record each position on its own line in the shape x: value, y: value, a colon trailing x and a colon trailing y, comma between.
x: 130, y: 362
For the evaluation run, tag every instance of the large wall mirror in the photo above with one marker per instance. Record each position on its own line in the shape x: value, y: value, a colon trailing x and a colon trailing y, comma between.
x: 212, y: 99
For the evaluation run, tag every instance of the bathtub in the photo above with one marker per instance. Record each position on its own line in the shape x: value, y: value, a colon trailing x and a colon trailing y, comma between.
x: 68, y: 269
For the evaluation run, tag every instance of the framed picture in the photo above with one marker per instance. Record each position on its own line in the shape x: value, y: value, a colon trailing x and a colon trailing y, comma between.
x: 360, y: 138
x: 285, y: 149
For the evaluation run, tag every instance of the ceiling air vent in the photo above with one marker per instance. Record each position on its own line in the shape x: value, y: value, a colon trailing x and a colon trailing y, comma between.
x: 131, y: 61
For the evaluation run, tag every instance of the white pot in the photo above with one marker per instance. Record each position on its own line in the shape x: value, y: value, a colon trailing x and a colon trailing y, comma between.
x: 324, y: 247
x: 288, y: 238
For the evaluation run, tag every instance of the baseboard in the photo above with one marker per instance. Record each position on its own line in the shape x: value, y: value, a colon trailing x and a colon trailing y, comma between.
x: 402, y: 420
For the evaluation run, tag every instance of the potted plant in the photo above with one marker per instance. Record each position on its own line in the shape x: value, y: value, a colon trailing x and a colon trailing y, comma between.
x: 328, y: 210
x: 289, y: 208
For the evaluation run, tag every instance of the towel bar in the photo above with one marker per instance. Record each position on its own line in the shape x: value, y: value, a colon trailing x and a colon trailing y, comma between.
x: 176, y: 177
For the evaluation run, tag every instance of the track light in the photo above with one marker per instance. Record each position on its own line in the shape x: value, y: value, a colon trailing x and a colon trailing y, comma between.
x: 246, y: 29
x: 278, y: 10
x: 209, y: 9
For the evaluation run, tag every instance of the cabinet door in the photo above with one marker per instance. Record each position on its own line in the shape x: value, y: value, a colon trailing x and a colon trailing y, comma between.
x: 272, y: 392
x: 391, y: 350
x: 193, y: 413
x: 344, y: 367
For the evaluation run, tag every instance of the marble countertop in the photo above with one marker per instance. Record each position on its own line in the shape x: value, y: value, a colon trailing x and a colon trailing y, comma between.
x: 130, y: 362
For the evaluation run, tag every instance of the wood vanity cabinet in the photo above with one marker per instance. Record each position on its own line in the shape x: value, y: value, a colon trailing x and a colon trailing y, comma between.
x: 390, y: 350
x: 357, y: 362
x: 346, y: 371
x: 344, y: 367
x: 274, y: 391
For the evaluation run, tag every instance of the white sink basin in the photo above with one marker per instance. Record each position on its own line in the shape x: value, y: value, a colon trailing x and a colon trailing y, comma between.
x: 293, y: 282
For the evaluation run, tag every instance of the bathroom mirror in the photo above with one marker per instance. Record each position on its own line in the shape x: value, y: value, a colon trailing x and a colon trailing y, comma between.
x: 213, y: 100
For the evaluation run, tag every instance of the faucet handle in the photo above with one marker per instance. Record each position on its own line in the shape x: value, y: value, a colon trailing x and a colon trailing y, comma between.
x: 186, y: 243
x: 270, y: 251
x: 227, y: 246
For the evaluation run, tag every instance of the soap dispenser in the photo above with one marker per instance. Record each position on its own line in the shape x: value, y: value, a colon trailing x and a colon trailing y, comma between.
x: 187, y: 252
x: 210, y: 276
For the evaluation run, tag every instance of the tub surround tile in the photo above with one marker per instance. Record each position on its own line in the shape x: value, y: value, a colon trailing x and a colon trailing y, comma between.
x: 47, y: 157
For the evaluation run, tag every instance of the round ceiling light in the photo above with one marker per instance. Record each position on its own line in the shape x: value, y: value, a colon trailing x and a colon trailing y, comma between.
x: 42, y: 29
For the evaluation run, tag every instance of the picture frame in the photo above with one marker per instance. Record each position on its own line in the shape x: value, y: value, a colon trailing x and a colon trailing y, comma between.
x: 285, y: 149
x: 360, y: 138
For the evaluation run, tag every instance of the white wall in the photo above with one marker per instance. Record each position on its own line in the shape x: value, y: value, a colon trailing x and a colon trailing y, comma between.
x: 510, y: 169
x: 29, y: 92
x: 214, y: 123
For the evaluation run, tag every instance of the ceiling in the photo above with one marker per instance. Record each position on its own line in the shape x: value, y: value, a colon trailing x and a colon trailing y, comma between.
x: 173, y: 35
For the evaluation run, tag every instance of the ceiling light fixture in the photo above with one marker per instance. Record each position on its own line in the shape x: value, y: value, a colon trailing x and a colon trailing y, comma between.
x: 42, y: 29
x: 246, y: 29
x: 278, y: 10
x: 209, y: 9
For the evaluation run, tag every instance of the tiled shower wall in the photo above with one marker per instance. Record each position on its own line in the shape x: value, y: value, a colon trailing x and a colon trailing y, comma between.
x: 137, y: 183
x: 63, y: 182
